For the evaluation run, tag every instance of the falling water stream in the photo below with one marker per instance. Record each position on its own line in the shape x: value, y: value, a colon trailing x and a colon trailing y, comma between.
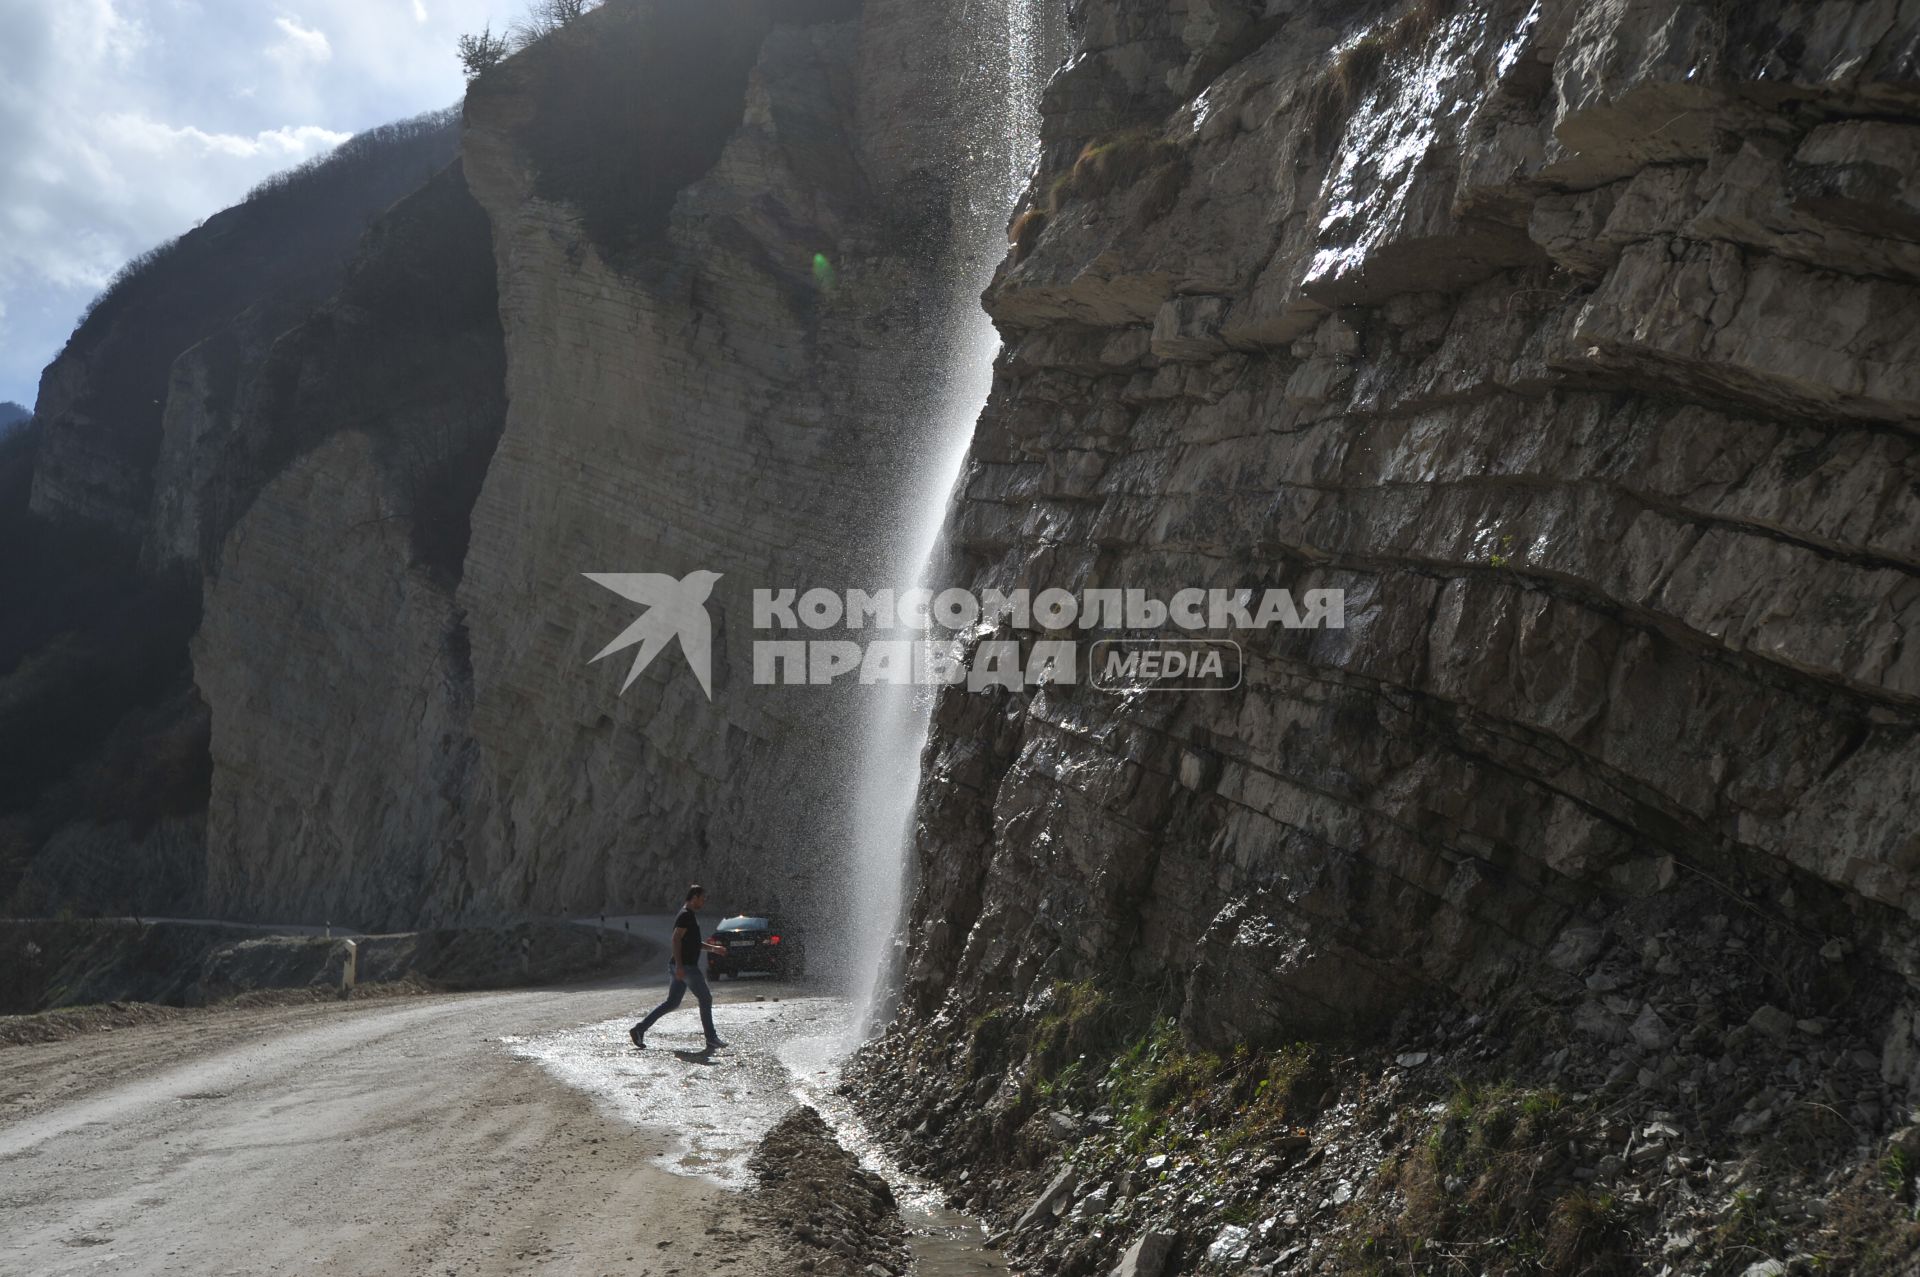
x: 1000, y: 102
x: 793, y: 1047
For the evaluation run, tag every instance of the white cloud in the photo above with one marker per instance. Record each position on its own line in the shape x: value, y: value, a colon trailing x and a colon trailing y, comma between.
x: 287, y: 145
x: 303, y: 44
x: 125, y: 122
x: 98, y: 32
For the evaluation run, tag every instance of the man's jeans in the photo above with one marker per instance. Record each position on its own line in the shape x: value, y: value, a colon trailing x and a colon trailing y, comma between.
x: 677, y: 990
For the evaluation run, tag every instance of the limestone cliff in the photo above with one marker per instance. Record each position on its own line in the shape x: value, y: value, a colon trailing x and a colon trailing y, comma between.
x: 1571, y: 339
x: 724, y: 238
x: 1574, y: 341
x: 1571, y: 342
x: 113, y: 500
x: 685, y: 301
x: 332, y: 652
x: 687, y: 393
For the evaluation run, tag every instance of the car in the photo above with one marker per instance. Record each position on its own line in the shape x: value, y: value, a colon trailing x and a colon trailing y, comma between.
x: 756, y: 942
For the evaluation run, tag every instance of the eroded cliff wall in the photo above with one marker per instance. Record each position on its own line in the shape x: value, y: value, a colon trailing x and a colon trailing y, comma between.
x: 332, y: 653
x: 686, y: 301
x: 113, y: 502
x: 725, y: 239
x: 1570, y: 341
x: 1573, y: 341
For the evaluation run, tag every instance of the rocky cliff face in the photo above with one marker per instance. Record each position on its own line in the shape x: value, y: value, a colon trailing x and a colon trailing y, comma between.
x: 332, y: 651
x: 1571, y: 340
x: 685, y: 303
x: 114, y: 500
x: 688, y: 392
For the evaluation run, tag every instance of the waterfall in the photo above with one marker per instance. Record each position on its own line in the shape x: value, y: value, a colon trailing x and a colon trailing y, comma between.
x: 998, y: 109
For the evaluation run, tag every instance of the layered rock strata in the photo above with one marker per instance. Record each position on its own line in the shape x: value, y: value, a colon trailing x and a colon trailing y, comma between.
x: 1571, y: 341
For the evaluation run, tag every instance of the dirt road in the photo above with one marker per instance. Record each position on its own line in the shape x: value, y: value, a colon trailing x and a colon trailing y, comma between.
x: 397, y: 1138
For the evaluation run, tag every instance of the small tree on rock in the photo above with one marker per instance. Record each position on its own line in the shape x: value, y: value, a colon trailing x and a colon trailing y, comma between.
x: 546, y: 17
x: 481, y: 53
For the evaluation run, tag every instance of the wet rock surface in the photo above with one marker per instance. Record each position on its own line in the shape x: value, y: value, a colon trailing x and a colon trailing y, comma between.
x: 1550, y: 333
x: 1558, y: 911
x: 1685, y: 1084
x: 1624, y: 592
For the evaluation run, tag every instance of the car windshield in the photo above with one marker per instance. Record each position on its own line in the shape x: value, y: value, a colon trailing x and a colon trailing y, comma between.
x: 747, y: 924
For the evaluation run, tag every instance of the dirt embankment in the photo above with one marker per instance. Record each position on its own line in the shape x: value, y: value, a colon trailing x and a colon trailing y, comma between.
x: 46, y: 966
x: 43, y: 1027
x: 836, y: 1217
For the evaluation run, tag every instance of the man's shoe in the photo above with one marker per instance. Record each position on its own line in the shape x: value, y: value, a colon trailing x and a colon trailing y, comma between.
x: 639, y: 1043
x: 714, y: 1044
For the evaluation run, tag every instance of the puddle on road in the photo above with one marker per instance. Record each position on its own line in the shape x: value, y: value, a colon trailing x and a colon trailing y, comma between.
x: 946, y: 1244
x: 717, y: 1108
x: 714, y: 1107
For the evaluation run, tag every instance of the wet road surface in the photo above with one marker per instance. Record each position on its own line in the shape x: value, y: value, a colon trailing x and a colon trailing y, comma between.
x: 479, y: 1133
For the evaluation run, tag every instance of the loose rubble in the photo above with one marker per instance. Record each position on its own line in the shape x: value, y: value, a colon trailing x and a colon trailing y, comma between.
x: 839, y: 1218
x: 1688, y: 1087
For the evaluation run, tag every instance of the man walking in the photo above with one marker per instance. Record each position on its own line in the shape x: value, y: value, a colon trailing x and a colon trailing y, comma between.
x: 684, y: 965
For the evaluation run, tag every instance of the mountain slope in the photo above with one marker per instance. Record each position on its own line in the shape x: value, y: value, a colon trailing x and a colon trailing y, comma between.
x: 103, y: 736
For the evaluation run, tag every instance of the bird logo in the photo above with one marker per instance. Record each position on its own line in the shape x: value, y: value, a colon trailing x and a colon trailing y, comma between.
x: 675, y: 609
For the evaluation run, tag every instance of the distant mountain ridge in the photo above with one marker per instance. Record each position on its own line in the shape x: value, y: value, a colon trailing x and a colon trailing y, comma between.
x: 226, y: 290
x: 150, y: 436
x: 12, y: 414
x: 276, y: 519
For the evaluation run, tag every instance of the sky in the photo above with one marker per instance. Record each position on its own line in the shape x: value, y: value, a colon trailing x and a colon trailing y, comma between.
x: 123, y: 123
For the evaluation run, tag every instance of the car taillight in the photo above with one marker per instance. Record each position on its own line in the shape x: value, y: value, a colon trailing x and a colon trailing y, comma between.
x: 773, y: 939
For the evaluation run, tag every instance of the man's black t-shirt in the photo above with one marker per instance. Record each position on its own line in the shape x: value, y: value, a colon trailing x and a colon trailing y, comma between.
x: 690, y: 942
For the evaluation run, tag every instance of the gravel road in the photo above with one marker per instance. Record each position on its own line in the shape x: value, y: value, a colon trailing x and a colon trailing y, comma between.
x: 399, y: 1137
